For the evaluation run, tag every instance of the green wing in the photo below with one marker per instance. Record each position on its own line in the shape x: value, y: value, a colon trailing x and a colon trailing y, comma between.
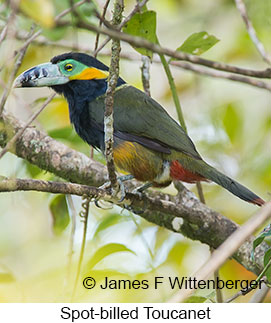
x: 135, y: 113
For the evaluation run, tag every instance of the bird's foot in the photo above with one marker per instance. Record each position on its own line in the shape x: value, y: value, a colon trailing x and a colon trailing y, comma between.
x: 121, y: 188
x: 139, y: 190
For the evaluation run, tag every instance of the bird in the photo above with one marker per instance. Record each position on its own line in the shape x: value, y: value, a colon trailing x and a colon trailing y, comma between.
x: 148, y: 143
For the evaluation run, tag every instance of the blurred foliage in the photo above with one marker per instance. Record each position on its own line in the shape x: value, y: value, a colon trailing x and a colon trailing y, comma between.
x: 104, y: 251
x: 198, y: 43
x: 33, y: 9
x: 265, y: 235
x: 229, y: 122
x: 143, y: 25
x: 60, y: 214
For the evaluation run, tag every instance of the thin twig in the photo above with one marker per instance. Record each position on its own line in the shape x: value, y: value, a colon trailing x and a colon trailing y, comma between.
x: 260, y: 294
x: 57, y: 19
x: 240, y: 293
x: 145, y: 74
x: 232, y: 298
x: 95, y: 51
x: 136, y: 9
x: 251, y: 31
x: 68, y: 10
x: 139, y: 5
x: 257, y: 297
x: 221, y: 74
x: 184, y: 65
x: 100, y: 24
x: 199, y: 221
x: 14, y: 6
x: 28, y: 41
x: 143, y: 43
x: 22, y: 51
x: 3, y: 33
x: 109, y: 99
x: 13, y: 74
x: 224, y: 251
x: 19, y: 133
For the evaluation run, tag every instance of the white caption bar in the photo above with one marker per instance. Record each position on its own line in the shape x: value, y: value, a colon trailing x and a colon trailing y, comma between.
x: 150, y: 312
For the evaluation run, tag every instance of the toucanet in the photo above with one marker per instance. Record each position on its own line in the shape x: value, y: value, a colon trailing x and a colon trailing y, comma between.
x: 148, y: 143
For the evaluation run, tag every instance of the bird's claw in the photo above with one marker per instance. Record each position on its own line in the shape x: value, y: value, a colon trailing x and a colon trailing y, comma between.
x: 121, y: 188
x: 139, y: 190
x: 105, y: 186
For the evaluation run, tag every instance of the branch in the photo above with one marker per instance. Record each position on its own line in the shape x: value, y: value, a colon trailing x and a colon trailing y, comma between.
x: 222, y: 74
x: 182, y: 213
x: 56, y: 20
x: 21, y: 52
x: 136, y: 9
x: 221, y: 254
x: 19, y: 133
x: 143, y: 43
x: 13, y: 73
x: 41, y: 150
x: 260, y: 294
x: 184, y: 65
x: 145, y: 74
x: 248, y: 290
x: 3, y: 33
x: 251, y: 31
x: 100, y: 24
x: 109, y: 98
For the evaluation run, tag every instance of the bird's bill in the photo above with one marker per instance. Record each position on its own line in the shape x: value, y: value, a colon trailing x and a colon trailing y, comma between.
x: 47, y: 74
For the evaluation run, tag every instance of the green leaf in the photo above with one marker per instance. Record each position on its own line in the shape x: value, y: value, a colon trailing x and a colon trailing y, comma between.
x: 232, y: 122
x: 68, y: 136
x: 108, y: 221
x: 60, y: 214
x: 265, y: 233
x: 196, y: 299
x: 55, y: 34
x: 33, y: 170
x: 87, y: 9
x: 143, y: 25
x: 66, y: 133
x: 198, y: 43
x: 267, y: 124
x: 267, y: 258
x: 105, y: 251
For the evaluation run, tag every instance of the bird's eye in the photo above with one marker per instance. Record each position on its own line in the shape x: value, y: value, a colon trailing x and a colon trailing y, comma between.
x: 68, y: 67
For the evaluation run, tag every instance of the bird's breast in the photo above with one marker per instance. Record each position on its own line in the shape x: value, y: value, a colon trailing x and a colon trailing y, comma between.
x: 133, y: 158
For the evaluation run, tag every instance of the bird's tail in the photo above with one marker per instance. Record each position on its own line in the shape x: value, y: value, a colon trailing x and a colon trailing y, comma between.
x: 231, y: 185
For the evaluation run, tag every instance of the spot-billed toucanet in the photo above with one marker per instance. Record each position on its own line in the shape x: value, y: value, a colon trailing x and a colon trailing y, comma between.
x: 148, y: 143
